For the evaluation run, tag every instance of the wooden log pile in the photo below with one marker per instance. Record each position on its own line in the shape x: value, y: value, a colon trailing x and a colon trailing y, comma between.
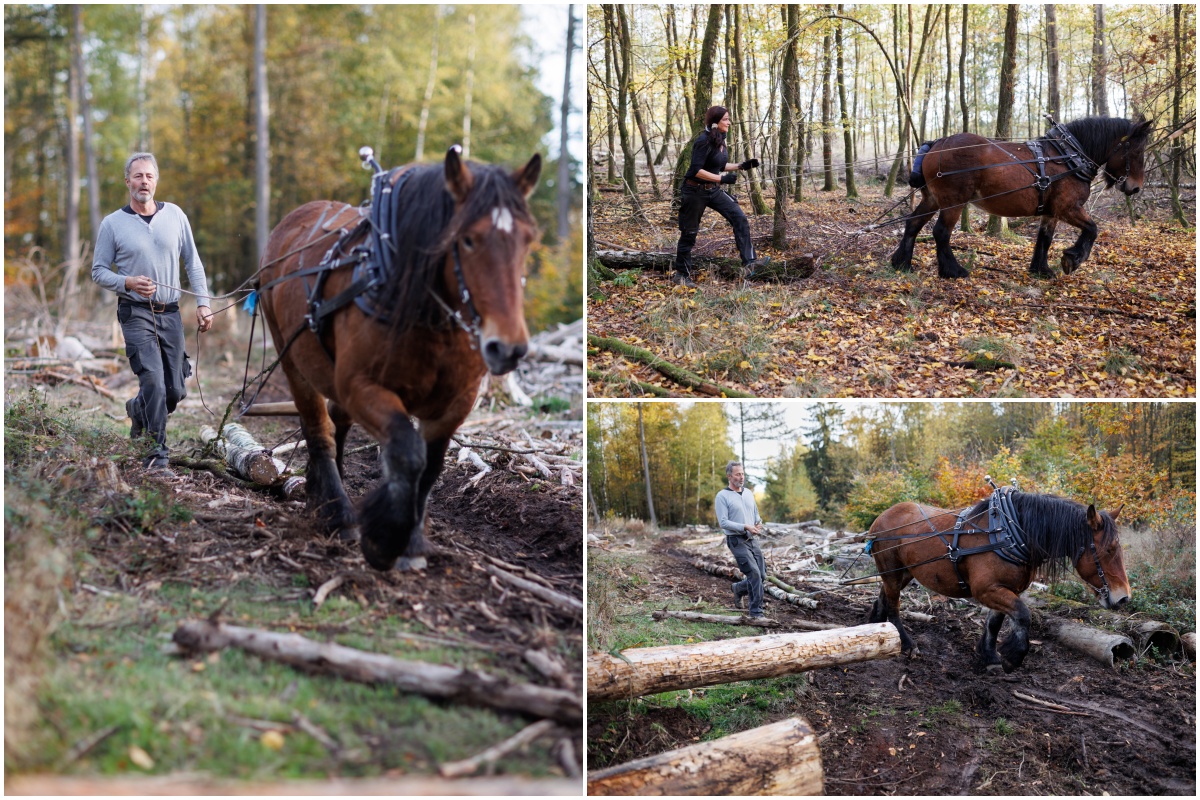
x: 733, y: 573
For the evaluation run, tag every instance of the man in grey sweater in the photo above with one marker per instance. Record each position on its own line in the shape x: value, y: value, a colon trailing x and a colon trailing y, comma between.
x: 137, y: 256
x: 737, y: 514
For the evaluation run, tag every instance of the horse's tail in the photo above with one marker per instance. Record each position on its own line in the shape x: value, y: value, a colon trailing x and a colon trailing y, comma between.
x: 916, y: 179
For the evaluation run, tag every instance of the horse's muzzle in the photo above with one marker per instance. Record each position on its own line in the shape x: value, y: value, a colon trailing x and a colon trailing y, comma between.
x: 501, y: 357
x: 1115, y: 601
x: 1130, y: 191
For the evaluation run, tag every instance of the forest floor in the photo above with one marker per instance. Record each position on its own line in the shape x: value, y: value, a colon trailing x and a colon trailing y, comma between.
x: 1122, y: 325
x: 103, y: 562
x: 933, y: 725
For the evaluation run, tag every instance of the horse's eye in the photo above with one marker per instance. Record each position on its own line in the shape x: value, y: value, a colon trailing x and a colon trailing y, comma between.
x: 469, y: 242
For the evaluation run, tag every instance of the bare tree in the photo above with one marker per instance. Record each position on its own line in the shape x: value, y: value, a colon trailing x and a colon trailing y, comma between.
x: 70, y: 282
x: 790, y: 76
x: 646, y: 468
x: 703, y: 93
x: 1054, y: 102
x: 827, y: 109
x: 756, y: 195
x: 1099, y: 63
x: 262, y: 183
x: 89, y: 145
x: 1176, y: 116
x: 427, y: 101
x: 847, y: 136
x: 1004, y: 105
x: 627, y: 81
x: 564, y: 157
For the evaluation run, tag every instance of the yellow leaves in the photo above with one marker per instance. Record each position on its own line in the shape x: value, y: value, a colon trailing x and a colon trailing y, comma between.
x: 272, y: 740
x: 744, y: 365
x: 140, y: 758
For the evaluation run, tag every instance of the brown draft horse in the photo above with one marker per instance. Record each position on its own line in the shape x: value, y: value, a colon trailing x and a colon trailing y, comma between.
x: 457, y: 228
x: 1055, y: 529
x: 966, y: 168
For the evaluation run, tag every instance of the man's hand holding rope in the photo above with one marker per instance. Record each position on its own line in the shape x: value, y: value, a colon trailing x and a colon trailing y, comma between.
x: 204, y: 318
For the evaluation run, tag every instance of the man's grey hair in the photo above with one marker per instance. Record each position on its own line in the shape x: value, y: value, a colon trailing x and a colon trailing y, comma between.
x: 729, y: 467
x: 140, y: 157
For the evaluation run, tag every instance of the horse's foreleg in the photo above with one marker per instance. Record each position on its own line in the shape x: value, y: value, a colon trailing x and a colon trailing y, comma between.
x: 414, y: 555
x: 1078, y: 252
x: 389, y: 513
x: 902, y: 258
x: 323, y: 482
x: 889, y: 595
x: 1040, y: 266
x: 1002, y: 600
x: 986, y: 649
x: 341, y: 427
x: 948, y: 266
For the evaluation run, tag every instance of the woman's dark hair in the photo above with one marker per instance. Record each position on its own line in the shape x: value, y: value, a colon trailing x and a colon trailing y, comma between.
x: 711, y: 117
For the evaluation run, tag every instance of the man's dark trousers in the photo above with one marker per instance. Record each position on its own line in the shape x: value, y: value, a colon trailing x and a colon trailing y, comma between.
x: 154, y: 345
x: 693, y: 201
x: 750, y: 561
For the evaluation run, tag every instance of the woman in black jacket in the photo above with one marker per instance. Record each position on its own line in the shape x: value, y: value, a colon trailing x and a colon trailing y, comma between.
x: 701, y: 190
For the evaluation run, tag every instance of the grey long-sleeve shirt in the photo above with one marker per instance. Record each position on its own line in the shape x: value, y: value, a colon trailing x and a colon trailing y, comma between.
x: 131, y: 246
x: 736, y: 511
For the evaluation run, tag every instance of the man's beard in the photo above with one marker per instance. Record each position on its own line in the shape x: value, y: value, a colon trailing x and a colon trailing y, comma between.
x: 144, y: 196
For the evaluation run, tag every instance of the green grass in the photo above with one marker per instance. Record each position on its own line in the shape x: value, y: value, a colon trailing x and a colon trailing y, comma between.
x: 933, y: 716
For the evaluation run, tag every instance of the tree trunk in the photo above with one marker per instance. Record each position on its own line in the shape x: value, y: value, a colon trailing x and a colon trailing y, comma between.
x: 615, y: 14
x: 746, y: 145
x: 847, y: 136
x: 89, y: 146
x: 827, y: 109
x: 627, y: 81
x: 947, y: 90
x: 262, y: 176
x: 646, y: 469
x: 962, y: 102
x: 782, y: 758
x: 564, y: 156
x: 1099, y: 63
x: 1101, y: 645
x: 469, y: 99
x: 430, y: 84
x: 1053, y: 102
x: 1176, y: 114
x: 779, y: 237
x: 609, y: 59
x: 70, y: 284
x: 1004, y: 105
x: 650, y: 670
x: 703, y: 96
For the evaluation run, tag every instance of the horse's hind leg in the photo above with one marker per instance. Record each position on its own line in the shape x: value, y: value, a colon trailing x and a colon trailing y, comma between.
x: 1075, y: 255
x: 902, y: 258
x: 948, y: 266
x: 986, y: 649
x: 889, y: 597
x: 1005, y: 601
x: 1040, y: 266
x: 342, y: 423
x: 323, y: 483
x: 418, y: 548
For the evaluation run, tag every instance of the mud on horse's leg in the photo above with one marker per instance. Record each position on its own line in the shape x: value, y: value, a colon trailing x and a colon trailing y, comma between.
x: 390, y: 512
x: 414, y: 556
x: 1041, y: 249
x: 902, y: 258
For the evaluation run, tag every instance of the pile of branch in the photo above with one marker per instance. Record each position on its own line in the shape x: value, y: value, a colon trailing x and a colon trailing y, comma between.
x: 553, y: 368
x: 733, y: 573
x: 554, y: 458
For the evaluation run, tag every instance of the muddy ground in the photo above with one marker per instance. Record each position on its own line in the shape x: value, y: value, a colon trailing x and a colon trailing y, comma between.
x: 951, y: 729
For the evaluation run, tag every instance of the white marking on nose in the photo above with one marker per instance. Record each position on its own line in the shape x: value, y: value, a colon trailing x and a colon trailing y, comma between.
x: 502, y: 218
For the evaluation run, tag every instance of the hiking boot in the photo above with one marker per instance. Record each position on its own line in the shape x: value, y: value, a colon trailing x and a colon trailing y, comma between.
x: 749, y: 269
x: 160, y: 467
x: 683, y: 279
x: 136, y: 430
x: 737, y: 596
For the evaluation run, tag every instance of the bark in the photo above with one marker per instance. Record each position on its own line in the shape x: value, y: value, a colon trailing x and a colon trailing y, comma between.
x: 1099, y: 63
x: 676, y: 373
x: 779, y: 269
x: 1189, y: 644
x: 717, y: 619
x: 626, y: 74
x: 1159, y: 635
x: 609, y: 58
x: 827, y: 110
x: 1101, y: 645
x: 703, y: 96
x: 246, y: 457
x: 70, y: 285
x: 646, y: 469
x: 628, y: 171
x: 962, y: 101
x: 847, y: 136
x: 650, y: 670
x: 469, y: 79
x: 746, y: 145
x: 1004, y: 108
x: 262, y: 178
x: 946, y: 91
x: 782, y: 758
x: 431, y: 680
x: 787, y: 113
x: 430, y: 83
x: 1176, y: 113
x: 564, y: 158
x: 564, y: 603
x: 1054, y: 101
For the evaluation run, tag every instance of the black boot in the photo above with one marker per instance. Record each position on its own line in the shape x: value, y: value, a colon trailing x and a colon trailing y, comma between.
x: 683, y: 279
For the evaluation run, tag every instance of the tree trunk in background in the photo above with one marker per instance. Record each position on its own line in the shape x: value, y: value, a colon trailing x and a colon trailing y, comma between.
x: 143, y: 60
x: 67, y: 295
x: 703, y: 96
x: 1176, y: 116
x: 262, y: 171
x: 89, y: 147
x: 847, y: 136
x: 646, y: 468
x: 625, y: 67
x: 745, y: 144
x: 902, y: 93
x: 1053, y: 101
x: 1004, y: 105
x: 787, y: 113
x: 430, y: 84
x: 609, y: 58
x: 564, y: 156
x: 469, y: 100
x: 827, y: 108
x: 1099, y: 64
x: 947, y: 90
x: 965, y: 224
x: 666, y: 142
x: 627, y: 82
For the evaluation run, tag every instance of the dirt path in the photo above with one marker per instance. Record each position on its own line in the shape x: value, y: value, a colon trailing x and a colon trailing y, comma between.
x: 950, y: 729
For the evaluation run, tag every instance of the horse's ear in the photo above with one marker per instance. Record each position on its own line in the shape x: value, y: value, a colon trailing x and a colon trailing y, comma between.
x: 1117, y: 513
x: 526, y: 178
x: 1094, y: 519
x: 1141, y: 127
x: 458, y: 176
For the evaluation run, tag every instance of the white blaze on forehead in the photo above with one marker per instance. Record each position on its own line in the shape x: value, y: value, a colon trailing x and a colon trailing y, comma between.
x: 502, y: 219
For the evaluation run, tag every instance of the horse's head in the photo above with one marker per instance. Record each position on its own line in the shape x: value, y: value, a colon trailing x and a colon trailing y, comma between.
x: 1101, y: 562
x: 1126, y: 163
x: 490, y: 239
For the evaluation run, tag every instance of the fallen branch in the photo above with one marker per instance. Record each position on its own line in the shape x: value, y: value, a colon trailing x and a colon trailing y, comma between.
x: 460, y: 769
x: 432, y: 680
x: 1055, y: 707
x: 47, y: 375
x: 554, y: 354
x: 719, y: 619
x: 733, y: 573
x: 676, y: 373
x: 246, y: 457
x: 562, y: 602
x: 327, y: 588
x: 648, y: 388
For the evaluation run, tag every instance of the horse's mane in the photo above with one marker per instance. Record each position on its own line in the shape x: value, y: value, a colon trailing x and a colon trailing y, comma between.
x: 1097, y: 134
x: 1055, y: 528
x: 424, y: 227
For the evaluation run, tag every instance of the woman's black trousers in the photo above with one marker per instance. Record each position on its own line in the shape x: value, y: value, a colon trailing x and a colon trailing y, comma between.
x: 691, y: 207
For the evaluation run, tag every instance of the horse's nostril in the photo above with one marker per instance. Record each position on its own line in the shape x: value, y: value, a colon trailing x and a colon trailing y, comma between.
x: 1122, y: 601
x: 519, y: 351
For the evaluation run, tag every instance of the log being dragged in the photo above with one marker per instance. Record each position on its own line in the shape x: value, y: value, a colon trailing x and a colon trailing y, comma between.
x: 431, y: 680
x: 778, y: 759
x: 651, y: 670
x: 1104, y: 646
x: 718, y: 619
x: 247, y: 458
x: 733, y: 573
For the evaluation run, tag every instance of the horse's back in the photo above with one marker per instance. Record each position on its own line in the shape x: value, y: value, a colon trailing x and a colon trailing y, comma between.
x: 301, y: 226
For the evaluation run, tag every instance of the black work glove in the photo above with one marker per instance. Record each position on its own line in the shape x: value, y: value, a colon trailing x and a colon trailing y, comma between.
x: 751, y: 163
x: 729, y: 177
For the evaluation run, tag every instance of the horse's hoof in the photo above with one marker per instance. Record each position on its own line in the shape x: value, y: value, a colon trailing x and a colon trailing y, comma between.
x: 1069, y: 264
x: 953, y: 272
x: 406, y: 564
x: 916, y: 651
x: 349, y: 535
x: 995, y: 669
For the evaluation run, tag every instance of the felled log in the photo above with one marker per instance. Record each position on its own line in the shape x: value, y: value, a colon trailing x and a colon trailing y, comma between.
x: 246, y: 457
x: 1160, y: 635
x: 554, y: 353
x: 778, y: 269
x: 431, y: 680
x: 675, y: 372
x: 1101, y: 645
x: 733, y: 573
x: 718, y: 619
x: 1188, y: 640
x: 651, y: 670
x: 778, y: 759
x: 284, y: 409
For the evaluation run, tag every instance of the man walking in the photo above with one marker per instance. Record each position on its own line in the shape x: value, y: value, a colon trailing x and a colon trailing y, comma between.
x: 137, y: 256
x: 737, y: 514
